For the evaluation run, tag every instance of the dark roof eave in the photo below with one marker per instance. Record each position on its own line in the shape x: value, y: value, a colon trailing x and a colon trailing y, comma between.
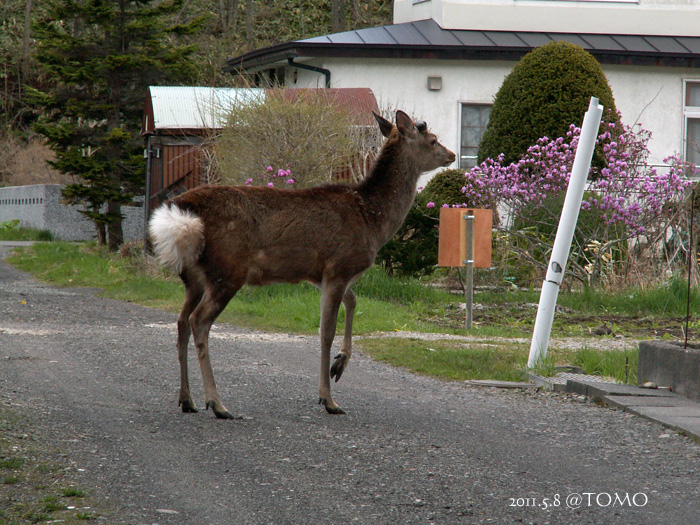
x: 265, y: 58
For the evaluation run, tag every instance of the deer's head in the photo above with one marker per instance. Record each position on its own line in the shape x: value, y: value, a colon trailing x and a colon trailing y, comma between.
x: 417, y: 142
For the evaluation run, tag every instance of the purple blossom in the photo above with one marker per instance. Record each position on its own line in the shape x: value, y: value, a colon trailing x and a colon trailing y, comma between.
x: 627, y: 190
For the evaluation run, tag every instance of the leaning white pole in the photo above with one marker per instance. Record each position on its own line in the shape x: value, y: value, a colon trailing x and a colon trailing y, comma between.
x: 565, y: 233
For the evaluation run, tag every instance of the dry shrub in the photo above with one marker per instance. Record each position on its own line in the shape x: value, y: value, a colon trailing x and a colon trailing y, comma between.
x: 308, y: 134
x: 142, y: 262
x: 24, y: 162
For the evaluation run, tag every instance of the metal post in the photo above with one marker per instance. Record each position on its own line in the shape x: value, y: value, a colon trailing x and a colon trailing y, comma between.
x: 565, y: 233
x: 469, y: 262
x: 147, y: 193
x: 691, y: 259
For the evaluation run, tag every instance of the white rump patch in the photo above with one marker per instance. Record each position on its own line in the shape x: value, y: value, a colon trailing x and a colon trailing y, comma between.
x: 177, y: 236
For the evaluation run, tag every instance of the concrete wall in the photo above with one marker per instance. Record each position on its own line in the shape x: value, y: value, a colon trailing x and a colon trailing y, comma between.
x: 39, y: 206
x: 668, y: 364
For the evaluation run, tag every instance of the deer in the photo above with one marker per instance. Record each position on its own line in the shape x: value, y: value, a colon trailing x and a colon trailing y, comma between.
x: 219, y: 238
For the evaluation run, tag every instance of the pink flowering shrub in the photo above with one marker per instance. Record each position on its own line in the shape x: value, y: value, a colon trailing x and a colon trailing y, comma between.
x: 628, y: 204
x: 273, y: 178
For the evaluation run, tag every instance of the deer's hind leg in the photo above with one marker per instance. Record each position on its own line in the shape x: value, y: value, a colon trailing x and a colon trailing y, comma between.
x: 212, y: 303
x: 193, y: 295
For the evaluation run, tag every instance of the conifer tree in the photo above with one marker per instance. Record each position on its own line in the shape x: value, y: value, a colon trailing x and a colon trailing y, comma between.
x: 101, y: 56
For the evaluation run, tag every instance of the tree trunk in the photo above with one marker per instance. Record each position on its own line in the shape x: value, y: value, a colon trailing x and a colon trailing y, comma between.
x: 26, y: 39
x: 101, y: 233
x: 249, y: 22
x: 338, y: 15
x: 114, y: 229
x: 228, y: 12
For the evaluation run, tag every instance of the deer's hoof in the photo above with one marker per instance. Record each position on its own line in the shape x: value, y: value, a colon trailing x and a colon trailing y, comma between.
x: 188, y: 407
x: 221, y: 412
x: 339, y: 363
x: 331, y: 408
x: 226, y: 415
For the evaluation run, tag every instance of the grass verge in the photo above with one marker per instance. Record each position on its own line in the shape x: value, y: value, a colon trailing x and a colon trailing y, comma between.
x: 495, y: 359
x: 12, y: 231
x: 34, y: 479
x: 385, y: 305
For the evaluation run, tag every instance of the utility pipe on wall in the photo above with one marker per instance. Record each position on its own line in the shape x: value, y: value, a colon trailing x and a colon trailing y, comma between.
x: 565, y: 233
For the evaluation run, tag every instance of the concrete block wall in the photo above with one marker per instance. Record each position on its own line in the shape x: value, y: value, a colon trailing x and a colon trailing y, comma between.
x: 669, y: 364
x: 40, y: 206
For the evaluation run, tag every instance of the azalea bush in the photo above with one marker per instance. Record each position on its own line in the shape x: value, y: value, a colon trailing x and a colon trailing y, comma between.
x: 632, y: 218
x: 273, y: 178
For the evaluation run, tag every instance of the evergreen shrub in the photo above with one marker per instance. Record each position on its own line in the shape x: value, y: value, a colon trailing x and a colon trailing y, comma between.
x: 547, y: 91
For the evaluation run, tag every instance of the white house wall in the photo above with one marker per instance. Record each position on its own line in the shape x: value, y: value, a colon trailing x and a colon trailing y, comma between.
x: 636, y: 17
x: 652, y: 97
x: 649, y: 95
x: 402, y: 84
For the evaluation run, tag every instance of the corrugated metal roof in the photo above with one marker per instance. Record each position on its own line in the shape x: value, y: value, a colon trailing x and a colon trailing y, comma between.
x: 188, y: 107
x: 196, y: 108
x: 428, y: 32
x: 358, y: 102
x: 426, y: 39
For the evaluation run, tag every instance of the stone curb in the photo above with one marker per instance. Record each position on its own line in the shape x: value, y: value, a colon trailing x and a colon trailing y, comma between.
x: 662, y: 406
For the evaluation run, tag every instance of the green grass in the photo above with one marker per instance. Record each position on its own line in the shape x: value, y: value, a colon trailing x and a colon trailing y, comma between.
x: 390, y: 304
x: 34, y: 476
x: 496, y: 360
x: 669, y: 300
x: 450, y: 359
x: 286, y: 308
x: 620, y: 365
x: 12, y: 231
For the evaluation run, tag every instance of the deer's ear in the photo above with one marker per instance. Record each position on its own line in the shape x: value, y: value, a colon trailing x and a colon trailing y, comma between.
x: 384, y: 125
x: 405, y: 124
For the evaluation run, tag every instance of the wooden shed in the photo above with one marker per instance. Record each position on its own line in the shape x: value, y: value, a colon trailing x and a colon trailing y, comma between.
x: 179, y: 121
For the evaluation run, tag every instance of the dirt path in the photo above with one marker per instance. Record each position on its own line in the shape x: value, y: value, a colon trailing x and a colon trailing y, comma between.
x: 98, y: 378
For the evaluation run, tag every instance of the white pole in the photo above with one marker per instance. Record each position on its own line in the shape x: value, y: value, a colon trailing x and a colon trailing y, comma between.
x: 565, y: 233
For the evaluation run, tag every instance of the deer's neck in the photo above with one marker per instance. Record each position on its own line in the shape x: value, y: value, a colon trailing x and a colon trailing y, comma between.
x: 388, y: 192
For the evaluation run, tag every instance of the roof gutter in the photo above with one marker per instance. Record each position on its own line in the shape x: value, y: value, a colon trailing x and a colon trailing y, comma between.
x: 325, y: 72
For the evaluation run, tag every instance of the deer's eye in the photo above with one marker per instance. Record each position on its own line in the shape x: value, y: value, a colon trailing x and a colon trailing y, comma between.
x: 433, y: 142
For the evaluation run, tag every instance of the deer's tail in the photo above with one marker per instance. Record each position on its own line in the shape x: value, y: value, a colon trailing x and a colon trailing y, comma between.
x: 177, y: 236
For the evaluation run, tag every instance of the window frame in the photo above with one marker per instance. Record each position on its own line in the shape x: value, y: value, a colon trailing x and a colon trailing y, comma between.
x: 689, y: 112
x: 462, y: 104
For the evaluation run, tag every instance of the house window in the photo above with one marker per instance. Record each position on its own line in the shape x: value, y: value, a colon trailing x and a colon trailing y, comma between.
x: 691, y: 114
x: 475, y: 117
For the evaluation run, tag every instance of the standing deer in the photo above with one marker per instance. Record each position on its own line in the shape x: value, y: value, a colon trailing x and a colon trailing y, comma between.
x: 219, y: 238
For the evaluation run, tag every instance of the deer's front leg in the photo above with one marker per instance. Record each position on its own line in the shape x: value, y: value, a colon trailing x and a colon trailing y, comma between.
x: 331, y: 296
x: 340, y: 362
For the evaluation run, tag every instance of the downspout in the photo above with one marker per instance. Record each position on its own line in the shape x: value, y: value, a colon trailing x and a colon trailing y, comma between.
x: 147, y: 193
x: 325, y: 72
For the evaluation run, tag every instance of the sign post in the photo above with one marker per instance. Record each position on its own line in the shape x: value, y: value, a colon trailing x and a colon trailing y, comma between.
x: 469, y: 262
x: 465, y: 241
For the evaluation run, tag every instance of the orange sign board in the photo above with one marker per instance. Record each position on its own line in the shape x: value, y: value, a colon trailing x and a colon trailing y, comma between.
x: 452, y: 250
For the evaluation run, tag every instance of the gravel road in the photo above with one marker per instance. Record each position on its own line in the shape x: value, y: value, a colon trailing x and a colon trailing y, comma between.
x: 99, y: 379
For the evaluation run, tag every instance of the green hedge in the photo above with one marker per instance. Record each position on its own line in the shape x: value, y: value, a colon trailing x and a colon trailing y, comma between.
x: 547, y: 91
